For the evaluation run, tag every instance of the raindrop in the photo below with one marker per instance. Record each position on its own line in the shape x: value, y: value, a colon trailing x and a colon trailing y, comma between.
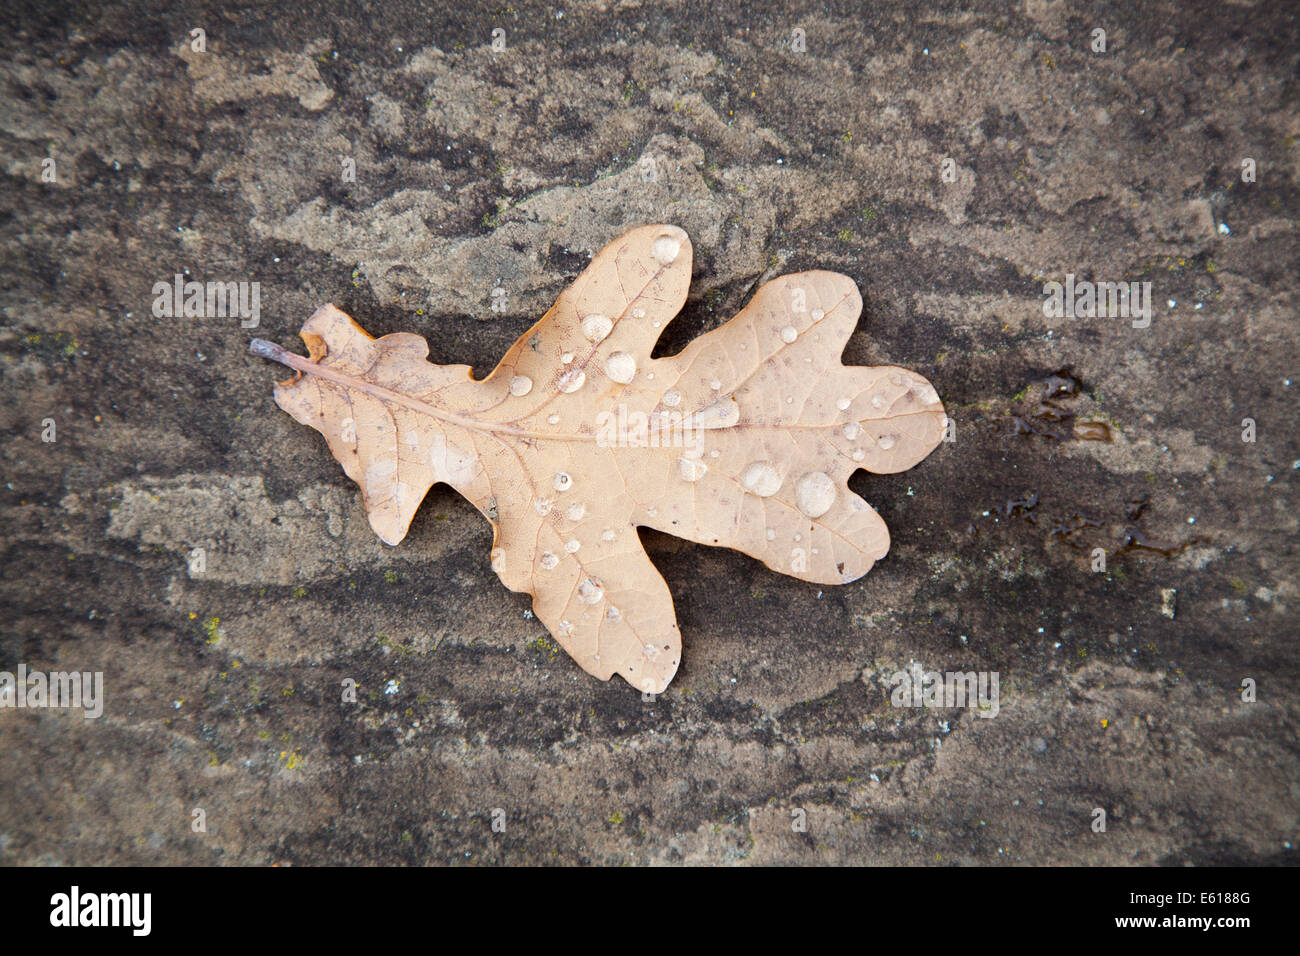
x: 859, y: 455
x: 638, y: 313
x: 761, y: 478
x: 576, y: 511
x: 572, y: 380
x: 815, y: 493
x: 851, y: 430
x: 591, y: 591
x: 843, y: 403
x: 562, y: 481
x: 565, y: 629
x: 566, y: 358
x: 620, y: 367
x: 817, y: 315
x: 549, y: 561
x: 665, y: 250
x: 692, y: 469
x: 771, y: 535
x: 877, y: 401
x: 553, y: 420
x: 788, y: 334
x: 672, y: 398
x: 613, y: 614
x: 596, y: 326
x: 521, y: 385
x: 607, y: 534
x: 542, y: 506
x: 886, y: 442
x: 572, y: 545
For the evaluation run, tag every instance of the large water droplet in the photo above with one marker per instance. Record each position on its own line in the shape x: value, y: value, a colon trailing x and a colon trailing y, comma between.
x: 877, y: 401
x: 692, y: 469
x: 843, y: 403
x: 761, y: 478
x: 620, y: 367
x: 665, y: 250
x: 613, y: 614
x: 572, y: 380
x: 815, y: 493
x: 563, y: 481
x: 521, y: 385
x: 576, y: 511
x: 886, y: 442
x: 788, y: 334
x: 572, y: 545
x: 591, y: 590
x: 851, y: 430
x: 553, y: 419
x: 817, y: 315
x: 672, y: 398
x: 549, y: 561
x: 565, y: 629
x: 721, y: 414
x: 596, y: 326
x: 542, y: 506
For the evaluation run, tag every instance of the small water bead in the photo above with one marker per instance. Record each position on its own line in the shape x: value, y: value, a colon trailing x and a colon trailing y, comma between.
x: 815, y: 493
x: 563, y: 481
x: 521, y: 385
x: 549, y: 561
x: 672, y: 398
x: 591, y: 591
x: 927, y: 394
x: 665, y: 250
x: 817, y: 315
x: 715, y: 384
x: 886, y: 442
x: 607, y: 534
x: 620, y: 367
x: 715, y: 454
x: 859, y: 455
x: 877, y: 401
x: 851, y: 430
x: 567, y: 358
x: 575, y: 512
x: 843, y: 403
x: 553, y: 419
x: 638, y: 313
x: 613, y: 614
x: 572, y: 380
x: 771, y: 535
x: 788, y: 334
x: 692, y: 469
x: 651, y: 652
x: 596, y: 326
x: 761, y: 478
x: 565, y: 629
x: 572, y: 545
x: 542, y: 506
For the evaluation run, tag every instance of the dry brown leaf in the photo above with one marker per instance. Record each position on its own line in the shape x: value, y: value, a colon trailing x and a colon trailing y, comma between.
x: 745, y: 440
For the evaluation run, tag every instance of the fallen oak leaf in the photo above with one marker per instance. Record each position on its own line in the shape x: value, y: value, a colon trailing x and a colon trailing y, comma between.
x: 745, y: 439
